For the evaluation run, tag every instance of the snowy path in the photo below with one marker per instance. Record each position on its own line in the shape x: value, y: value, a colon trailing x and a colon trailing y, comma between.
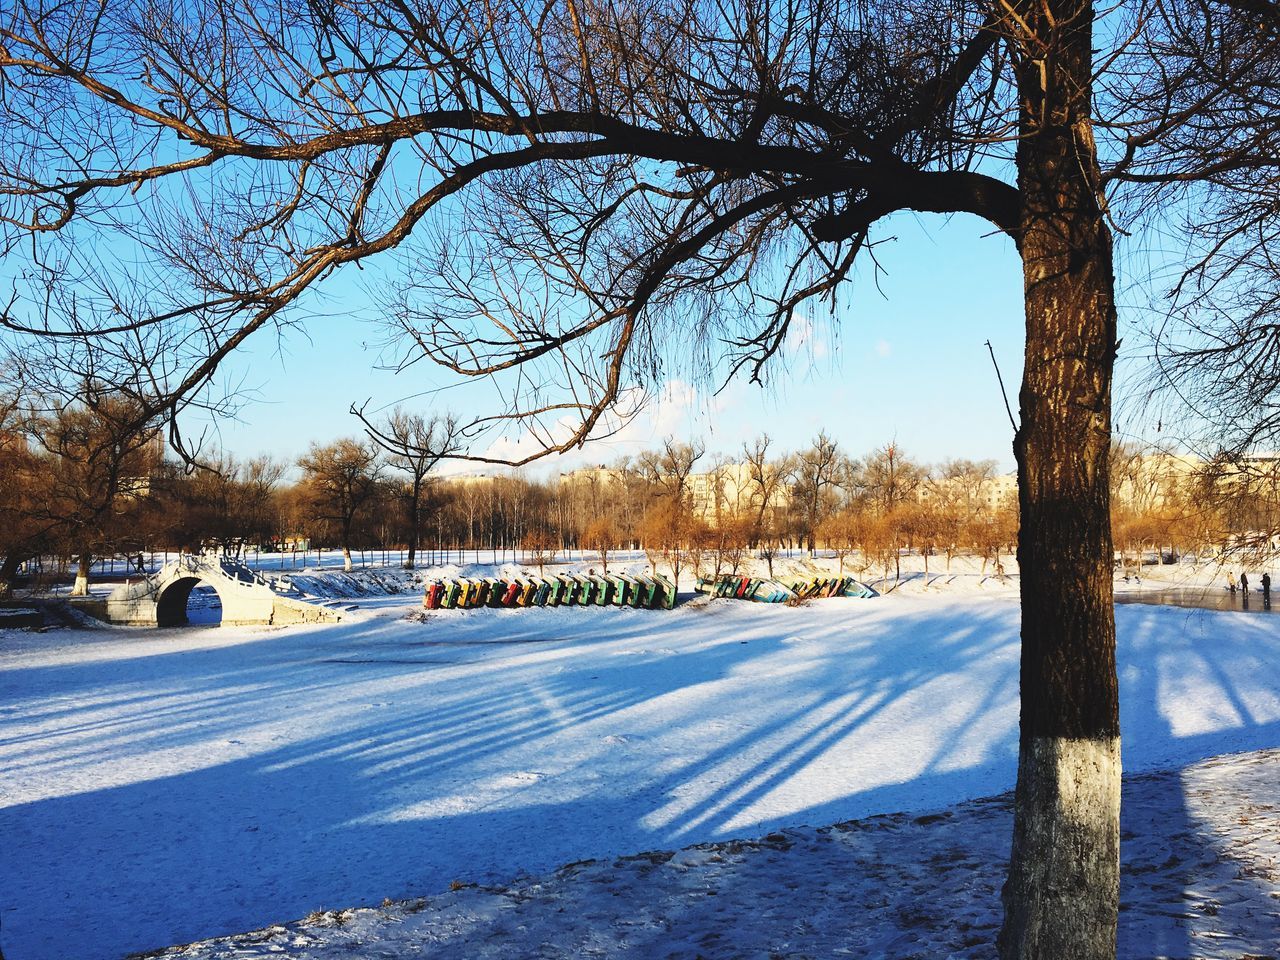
x: 160, y: 788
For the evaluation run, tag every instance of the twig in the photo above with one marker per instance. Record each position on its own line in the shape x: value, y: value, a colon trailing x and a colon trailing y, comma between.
x: 1003, y: 393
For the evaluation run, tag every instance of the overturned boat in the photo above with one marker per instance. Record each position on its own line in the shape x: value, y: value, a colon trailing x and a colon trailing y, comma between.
x: 562, y: 590
x: 764, y: 590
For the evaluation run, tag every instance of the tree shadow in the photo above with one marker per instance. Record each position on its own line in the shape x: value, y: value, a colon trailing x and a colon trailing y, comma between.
x: 1171, y: 856
x: 180, y: 794
x: 168, y: 795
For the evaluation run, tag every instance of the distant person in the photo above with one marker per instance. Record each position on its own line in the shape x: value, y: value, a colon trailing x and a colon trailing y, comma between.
x: 1266, y: 590
x: 1231, y: 582
x: 1244, y: 582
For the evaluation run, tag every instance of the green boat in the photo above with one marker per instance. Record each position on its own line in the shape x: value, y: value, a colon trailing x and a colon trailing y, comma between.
x: 497, y: 590
x: 854, y: 588
x: 651, y: 599
x: 666, y: 593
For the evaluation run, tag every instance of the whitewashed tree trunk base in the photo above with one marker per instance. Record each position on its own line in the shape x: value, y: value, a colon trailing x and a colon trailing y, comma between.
x: 1063, y: 890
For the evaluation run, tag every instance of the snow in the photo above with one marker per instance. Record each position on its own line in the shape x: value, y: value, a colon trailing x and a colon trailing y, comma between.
x: 1200, y: 848
x: 160, y: 787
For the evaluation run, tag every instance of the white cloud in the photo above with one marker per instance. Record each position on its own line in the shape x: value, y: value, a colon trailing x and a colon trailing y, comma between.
x: 636, y: 423
x: 883, y: 348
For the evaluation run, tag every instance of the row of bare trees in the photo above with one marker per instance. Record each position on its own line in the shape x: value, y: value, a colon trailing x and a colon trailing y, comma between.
x: 74, y: 485
x: 79, y: 479
x: 1226, y: 507
x: 72, y: 476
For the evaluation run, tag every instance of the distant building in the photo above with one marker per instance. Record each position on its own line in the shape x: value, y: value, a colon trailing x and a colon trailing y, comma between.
x: 729, y: 490
x: 978, y: 494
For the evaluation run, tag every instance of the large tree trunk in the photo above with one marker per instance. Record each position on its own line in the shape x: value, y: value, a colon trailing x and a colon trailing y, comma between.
x: 414, y: 501
x: 9, y: 573
x: 83, y: 566
x: 1062, y: 893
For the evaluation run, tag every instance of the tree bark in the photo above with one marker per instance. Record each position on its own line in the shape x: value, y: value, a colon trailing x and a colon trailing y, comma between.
x: 415, y: 499
x: 83, y: 566
x: 9, y: 573
x: 1062, y: 893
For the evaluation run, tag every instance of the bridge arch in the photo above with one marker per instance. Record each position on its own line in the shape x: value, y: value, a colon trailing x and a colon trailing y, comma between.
x: 171, y: 603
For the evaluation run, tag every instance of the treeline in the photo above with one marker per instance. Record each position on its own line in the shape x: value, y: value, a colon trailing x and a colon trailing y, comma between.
x: 74, y: 485
x: 1165, y: 506
x: 74, y: 488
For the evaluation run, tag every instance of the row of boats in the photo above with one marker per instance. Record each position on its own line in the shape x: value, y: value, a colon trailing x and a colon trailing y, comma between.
x: 563, y: 590
x: 623, y: 590
x: 775, y: 591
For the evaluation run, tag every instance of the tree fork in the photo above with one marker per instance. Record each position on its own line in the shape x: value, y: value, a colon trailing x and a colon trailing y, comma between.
x: 1062, y: 893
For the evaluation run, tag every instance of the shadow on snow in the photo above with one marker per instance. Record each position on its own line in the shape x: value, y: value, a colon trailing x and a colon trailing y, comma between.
x: 284, y: 772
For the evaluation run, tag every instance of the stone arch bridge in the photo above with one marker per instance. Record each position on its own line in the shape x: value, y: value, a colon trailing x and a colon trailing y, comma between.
x: 160, y: 600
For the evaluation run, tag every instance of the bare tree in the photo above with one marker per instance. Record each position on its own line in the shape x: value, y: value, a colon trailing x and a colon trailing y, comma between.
x: 816, y: 472
x: 927, y: 525
x: 225, y: 503
x: 341, y: 478
x: 960, y: 492
x: 98, y: 471
x: 260, y: 479
x: 22, y: 536
x: 601, y: 537
x: 889, y: 478
x: 990, y: 533
x: 667, y: 532
x: 767, y: 484
x: 670, y: 468
x: 414, y: 445
x: 1200, y: 91
x: 731, y: 541
x: 841, y: 534
x: 540, y: 548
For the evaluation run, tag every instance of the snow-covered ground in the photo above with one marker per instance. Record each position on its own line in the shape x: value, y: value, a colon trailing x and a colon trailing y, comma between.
x: 1201, y: 851
x: 161, y: 787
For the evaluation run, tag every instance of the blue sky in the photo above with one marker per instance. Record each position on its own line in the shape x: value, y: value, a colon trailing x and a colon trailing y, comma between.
x: 905, y: 363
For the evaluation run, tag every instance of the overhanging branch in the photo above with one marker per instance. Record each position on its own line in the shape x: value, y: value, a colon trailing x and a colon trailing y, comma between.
x: 957, y: 191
